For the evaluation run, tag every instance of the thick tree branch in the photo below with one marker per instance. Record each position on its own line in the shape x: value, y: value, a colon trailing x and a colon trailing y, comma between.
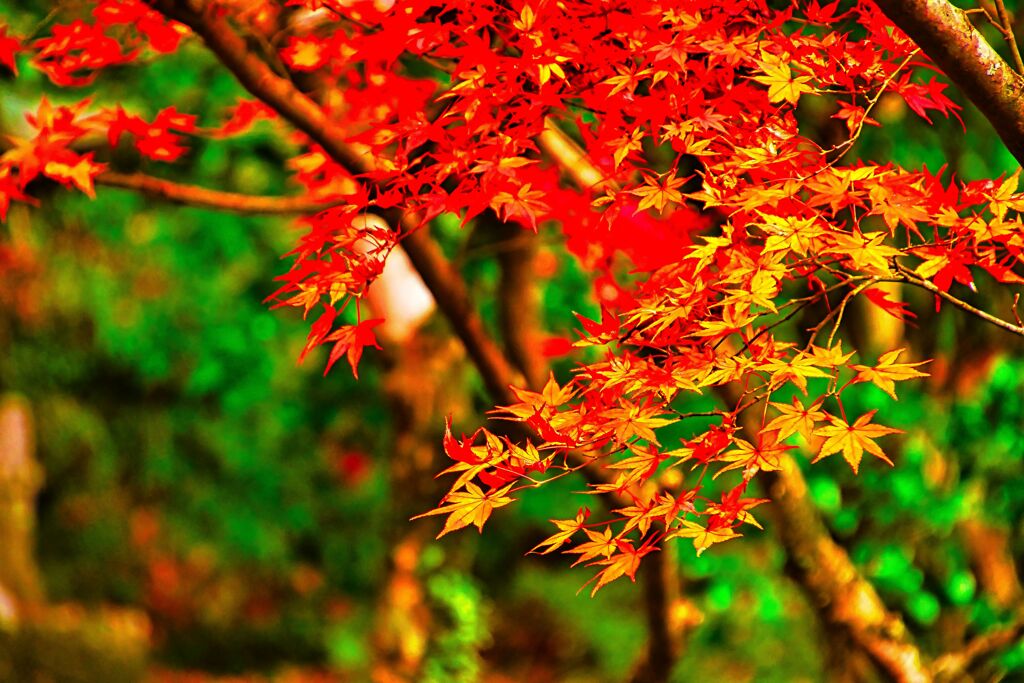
x: 946, y: 35
x: 661, y: 586
x: 571, y: 158
x: 823, y: 569
x: 442, y: 280
x: 193, y: 195
x: 519, y: 299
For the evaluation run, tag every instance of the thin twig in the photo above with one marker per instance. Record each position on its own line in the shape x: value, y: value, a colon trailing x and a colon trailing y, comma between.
x: 1007, y: 31
x: 953, y: 665
x: 918, y: 281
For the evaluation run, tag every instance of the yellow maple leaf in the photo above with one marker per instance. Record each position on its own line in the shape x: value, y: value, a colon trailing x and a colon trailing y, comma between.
x: 566, y: 529
x: 702, y: 538
x: 632, y: 420
x: 658, y: 192
x: 888, y: 372
x: 783, y: 86
x: 471, y: 506
x: 853, y: 439
x: 790, y: 233
x: 626, y: 144
x: 80, y: 175
x: 307, y: 54
x: 621, y: 564
x: 524, y: 204
x: 796, y: 370
x: 600, y: 544
x: 796, y: 418
x: 865, y: 251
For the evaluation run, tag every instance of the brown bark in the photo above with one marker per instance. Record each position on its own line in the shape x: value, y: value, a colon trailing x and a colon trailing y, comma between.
x: 519, y: 299
x: 956, y: 666
x: 419, y: 388
x: 946, y: 35
x: 193, y: 195
x: 444, y: 282
x: 665, y: 641
x: 836, y: 589
x: 840, y: 594
x: 988, y: 548
x: 20, y: 479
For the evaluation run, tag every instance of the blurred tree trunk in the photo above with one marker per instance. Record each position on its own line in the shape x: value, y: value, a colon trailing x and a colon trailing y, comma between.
x: 20, y: 479
x: 420, y: 380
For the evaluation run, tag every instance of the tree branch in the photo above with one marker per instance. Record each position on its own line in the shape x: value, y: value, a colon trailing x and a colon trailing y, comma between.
x: 1006, y: 28
x: 193, y: 195
x: 443, y: 281
x: 954, y: 665
x: 946, y: 35
x: 518, y: 299
x: 914, y: 279
x: 823, y: 569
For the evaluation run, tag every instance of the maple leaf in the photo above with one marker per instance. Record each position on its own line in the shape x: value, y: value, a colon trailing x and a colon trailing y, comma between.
x: 626, y: 79
x: 853, y: 439
x: 833, y: 356
x: 9, y: 47
x: 643, y: 465
x: 703, y: 537
x: 796, y: 418
x: 888, y: 372
x: 855, y: 117
x: 349, y: 341
x: 472, y: 506
x: 865, y: 252
x: 567, y: 528
x: 896, y: 309
x: 623, y: 146
x: 524, y: 204
x: 631, y: 419
x: 80, y: 174
x: 790, y: 233
x: 600, y: 544
x: 624, y: 563
x: 460, y: 451
x: 304, y: 54
x: 658, y: 191
x: 796, y: 370
x: 765, y: 456
x: 782, y: 85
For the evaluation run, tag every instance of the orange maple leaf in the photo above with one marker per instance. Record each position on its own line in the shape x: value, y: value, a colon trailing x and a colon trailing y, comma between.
x: 703, y: 538
x: 566, y: 529
x: 888, y: 372
x: 471, y: 506
x: 853, y: 439
x: 796, y: 418
x: 625, y: 563
x: 658, y: 191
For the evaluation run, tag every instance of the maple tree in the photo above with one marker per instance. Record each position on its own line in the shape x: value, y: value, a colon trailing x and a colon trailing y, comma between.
x: 666, y: 146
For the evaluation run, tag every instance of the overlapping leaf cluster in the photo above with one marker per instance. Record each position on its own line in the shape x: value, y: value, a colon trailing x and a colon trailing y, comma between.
x: 681, y: 153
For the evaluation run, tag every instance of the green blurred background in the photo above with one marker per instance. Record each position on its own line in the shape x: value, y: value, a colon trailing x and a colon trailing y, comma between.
x: 210, y: 510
